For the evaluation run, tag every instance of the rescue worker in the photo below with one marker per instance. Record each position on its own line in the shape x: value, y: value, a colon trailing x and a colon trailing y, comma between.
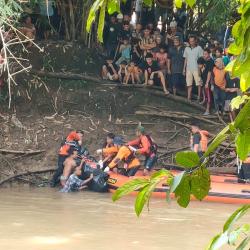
x: 144, y: 146
x: 244, y: 172
x: 74, y: 139
x: 125, y: 156
x: 108, y: 152
x: 199, y: 140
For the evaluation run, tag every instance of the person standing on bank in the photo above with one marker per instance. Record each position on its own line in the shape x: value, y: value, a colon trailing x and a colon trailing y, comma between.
x: 199, y: 140
x: 176, y: 64
x: 191, y: 69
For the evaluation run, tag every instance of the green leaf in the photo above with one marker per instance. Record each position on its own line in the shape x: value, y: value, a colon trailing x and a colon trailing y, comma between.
x: 235, y: 217
x: 113, y: 6
x: 218, y: 241
x: 160, y: 174
x: 187, y: 159
x: 148, y: 2
x: 200, y: 183
x: 178, y: 3
x: 129, y: 187
x: 222, y: 136
x: 238, y: 101
x: 175, y: 182
x: 92, y: 13
x: 242, y: 120
x: 229, y: 67
x: 235, y: 234
x: 245, y: 79
x: 243, y: 244
x: 243, y: 144
x: 101, y: 22
x: 190, y: 3
x: 183, y: 191
x: 144, y: 195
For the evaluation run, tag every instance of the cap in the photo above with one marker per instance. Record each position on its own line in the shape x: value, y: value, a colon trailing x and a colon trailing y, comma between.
x: 120, y: 16
x: 118, y: 140
x: 173, y: 24
x: 141, y: 129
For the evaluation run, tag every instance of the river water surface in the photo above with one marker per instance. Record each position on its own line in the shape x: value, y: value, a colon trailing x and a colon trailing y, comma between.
x: 44, y: 219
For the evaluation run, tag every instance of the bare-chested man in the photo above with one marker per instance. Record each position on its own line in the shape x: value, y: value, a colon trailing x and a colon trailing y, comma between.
x: 69, y: 165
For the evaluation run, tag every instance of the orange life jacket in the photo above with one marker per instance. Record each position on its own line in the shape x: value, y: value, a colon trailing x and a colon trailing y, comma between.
x: 204, y: 140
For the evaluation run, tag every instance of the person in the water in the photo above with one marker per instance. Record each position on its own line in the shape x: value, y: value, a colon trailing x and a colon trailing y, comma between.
x: 74, y: 183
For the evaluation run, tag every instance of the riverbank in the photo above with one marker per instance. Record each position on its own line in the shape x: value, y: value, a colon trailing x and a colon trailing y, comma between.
x: 49, y: 107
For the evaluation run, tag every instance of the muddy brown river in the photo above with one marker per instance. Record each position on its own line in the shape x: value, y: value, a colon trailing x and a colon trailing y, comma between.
x: 44, y: 219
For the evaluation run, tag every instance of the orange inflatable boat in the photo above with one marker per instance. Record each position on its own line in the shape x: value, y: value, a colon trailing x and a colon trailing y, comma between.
x: 224, y: 188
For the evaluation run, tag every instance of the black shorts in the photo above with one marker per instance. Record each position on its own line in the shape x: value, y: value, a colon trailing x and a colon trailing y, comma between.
x: 150, y: 161
x: 177, y: 80
x: 244, y: 173
x: 157, y: 80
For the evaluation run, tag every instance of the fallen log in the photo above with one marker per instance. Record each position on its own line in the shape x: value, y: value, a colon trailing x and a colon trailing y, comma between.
x: 174, y: 151
x: 9, y: 178
x: 165, y: 114
x: 69, y: 75
x: 28, y: 152
x: 176, y: 114
x: 134, y: 123
x: 147, y: 89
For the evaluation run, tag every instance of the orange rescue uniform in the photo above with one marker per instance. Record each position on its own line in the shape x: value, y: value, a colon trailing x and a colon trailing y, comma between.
x: 72, y: 136
x: 143, y: 143
x: 123, y: 154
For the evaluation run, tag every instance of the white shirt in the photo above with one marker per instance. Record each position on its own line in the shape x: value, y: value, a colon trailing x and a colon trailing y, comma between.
x: 192, y: 55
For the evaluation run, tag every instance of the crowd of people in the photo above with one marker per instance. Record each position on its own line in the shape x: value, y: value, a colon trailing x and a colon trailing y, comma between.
x: 150, y: 55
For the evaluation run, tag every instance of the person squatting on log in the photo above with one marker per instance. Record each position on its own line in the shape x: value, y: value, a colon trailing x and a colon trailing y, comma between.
x: 144, y: 145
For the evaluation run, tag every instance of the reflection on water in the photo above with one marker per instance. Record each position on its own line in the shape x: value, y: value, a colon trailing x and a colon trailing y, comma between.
x: 43, y: 219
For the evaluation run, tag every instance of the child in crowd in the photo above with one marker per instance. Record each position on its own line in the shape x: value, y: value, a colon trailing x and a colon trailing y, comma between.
x: 122, y: 72
x: 219, y: 54
x: 204, y: 71
x: 218, y: 88
x: 232, y: 89
x: 162, y: 59
x: 147, y: 43
x: 109, y: 70
x: 125, y: 51
x: 132, y: 73
x: 74, y: 183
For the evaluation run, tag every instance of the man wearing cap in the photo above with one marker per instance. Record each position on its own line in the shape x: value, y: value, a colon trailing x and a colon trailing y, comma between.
x: 153, y: 74
x: 125, y: 155
x: 174, y: 33
x: 144, y: 146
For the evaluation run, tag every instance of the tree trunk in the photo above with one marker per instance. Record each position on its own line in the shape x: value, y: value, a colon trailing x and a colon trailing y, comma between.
x: 72, y: 21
